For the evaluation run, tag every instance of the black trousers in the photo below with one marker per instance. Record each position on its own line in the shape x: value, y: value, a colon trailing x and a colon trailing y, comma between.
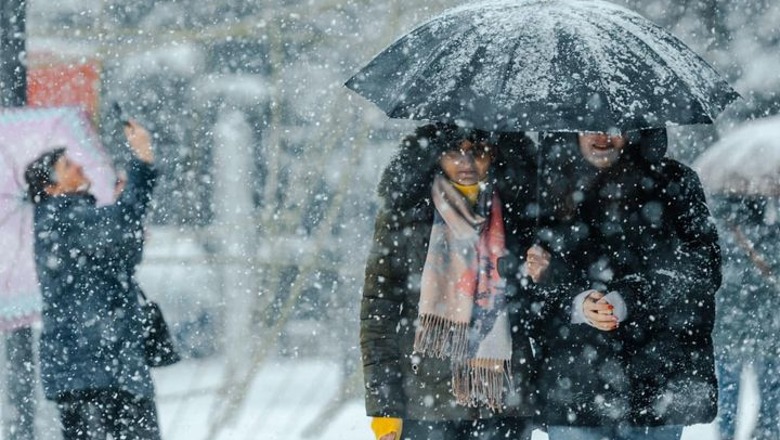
x: 497, y: 428
x: 94, y: 414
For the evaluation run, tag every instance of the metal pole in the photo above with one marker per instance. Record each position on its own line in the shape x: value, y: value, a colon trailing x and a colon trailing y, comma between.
x: 13, y: 69
x: 20, y: 401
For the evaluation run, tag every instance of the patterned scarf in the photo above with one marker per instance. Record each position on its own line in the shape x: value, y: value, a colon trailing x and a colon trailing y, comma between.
x: 463, y: 313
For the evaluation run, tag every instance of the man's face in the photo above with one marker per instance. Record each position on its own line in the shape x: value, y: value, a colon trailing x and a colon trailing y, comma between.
x: 600, y: 149
x: 70, y: 177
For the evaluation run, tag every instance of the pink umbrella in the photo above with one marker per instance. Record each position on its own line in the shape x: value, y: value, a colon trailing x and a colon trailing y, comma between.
x: 25, y: 134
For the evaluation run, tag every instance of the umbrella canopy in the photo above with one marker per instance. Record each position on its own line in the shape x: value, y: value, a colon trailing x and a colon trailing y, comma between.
x: 746, y: 161
x: 24, y: 135
x: 544, y: 65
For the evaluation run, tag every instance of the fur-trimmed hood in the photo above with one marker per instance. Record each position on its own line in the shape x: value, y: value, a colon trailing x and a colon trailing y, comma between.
x: 407, y: 179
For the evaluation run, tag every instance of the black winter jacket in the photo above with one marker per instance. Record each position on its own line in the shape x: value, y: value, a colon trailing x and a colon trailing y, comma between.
x: 91, y: 338
x: 641, y: 228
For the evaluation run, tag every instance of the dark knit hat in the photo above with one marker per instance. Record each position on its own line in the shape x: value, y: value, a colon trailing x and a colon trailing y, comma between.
x: 40, y: 174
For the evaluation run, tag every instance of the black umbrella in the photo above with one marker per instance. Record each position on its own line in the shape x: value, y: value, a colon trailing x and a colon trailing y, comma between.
x: 544, y: 65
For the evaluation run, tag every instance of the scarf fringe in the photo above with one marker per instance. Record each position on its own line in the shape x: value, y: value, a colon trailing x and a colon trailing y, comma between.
x: 481, y: 381
x: 439, y: 337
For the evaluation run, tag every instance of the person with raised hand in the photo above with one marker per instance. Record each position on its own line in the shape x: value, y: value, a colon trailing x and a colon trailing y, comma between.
x: 91, y: 349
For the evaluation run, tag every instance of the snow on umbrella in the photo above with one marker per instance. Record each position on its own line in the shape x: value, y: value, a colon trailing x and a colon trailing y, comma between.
x: 24, y: 135
x: 746, y: 161
x: 543, y: 65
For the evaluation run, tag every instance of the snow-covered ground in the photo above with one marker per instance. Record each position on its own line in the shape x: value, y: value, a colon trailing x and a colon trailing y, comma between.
x: 283, y: 402
x: 286, y: 399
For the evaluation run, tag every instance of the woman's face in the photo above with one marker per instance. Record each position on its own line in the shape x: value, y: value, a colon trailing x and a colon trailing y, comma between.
x: 467, y: 164
x: 601, y: 149
x: 69, y: 177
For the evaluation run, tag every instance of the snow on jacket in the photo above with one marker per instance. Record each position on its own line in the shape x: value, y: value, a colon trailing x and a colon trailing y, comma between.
x: 91, y: 337
x: 642, y: 229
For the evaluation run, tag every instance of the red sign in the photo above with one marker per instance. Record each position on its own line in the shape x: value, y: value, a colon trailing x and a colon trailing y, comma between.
x: 54, y: 85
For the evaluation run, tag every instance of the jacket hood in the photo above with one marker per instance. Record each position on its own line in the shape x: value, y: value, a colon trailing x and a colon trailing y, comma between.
x: 564, y: 172
x: 407, y: 179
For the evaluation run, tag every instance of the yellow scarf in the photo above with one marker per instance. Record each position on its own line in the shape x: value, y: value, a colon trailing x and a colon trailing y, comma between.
x: 471, y: 192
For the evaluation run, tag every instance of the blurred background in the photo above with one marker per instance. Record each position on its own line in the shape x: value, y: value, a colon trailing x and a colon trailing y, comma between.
x: 263, y: 215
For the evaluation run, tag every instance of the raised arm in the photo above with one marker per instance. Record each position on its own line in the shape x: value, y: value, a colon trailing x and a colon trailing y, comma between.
x: 99, y: 230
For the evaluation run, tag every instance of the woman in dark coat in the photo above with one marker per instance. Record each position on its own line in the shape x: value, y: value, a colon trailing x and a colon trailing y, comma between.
x: 414, y: 386
x: 630, y: 290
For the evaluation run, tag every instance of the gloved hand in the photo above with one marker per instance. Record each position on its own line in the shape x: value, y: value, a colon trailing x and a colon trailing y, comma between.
x: 387, y: 428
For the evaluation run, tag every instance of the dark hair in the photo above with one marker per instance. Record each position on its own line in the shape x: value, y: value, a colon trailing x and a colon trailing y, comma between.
x: 40, y: 174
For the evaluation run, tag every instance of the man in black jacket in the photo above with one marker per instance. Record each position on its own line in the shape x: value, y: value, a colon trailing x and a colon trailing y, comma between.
x: 630, y: 291
x: 91, y: 349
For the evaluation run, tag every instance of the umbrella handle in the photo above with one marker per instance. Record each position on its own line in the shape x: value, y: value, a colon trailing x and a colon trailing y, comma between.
x: 539, y: 170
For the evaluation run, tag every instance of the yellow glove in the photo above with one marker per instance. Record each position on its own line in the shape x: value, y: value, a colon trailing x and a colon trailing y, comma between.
x: 387, y: 425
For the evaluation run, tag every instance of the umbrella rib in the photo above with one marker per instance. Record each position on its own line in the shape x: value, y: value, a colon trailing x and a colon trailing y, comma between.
x: 584, y: 56
x: 599, y: 77
x: 679, y: 48
x: 417, y: 75
x: 658, y: 57
x: 506, y: 76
